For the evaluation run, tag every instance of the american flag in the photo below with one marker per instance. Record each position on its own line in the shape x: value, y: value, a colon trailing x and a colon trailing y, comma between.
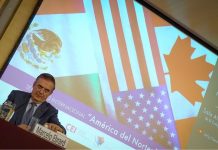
x: 131, y: 69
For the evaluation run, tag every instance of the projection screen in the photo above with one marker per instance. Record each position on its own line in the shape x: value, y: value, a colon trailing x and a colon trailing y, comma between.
x: 125, y: 77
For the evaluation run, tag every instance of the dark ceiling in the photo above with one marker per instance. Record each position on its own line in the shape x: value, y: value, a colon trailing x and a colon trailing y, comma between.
x: 200, y: 17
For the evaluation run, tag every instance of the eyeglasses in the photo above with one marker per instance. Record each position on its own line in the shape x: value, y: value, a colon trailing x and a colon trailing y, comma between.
x: 42, y: 89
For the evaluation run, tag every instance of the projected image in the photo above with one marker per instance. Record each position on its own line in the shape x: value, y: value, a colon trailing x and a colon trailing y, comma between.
x: 125, y: 78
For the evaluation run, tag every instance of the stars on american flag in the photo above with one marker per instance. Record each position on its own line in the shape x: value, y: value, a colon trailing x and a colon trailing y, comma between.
x: 141, y: 95
x: 149, y: 113
x: 159, y: 100
x: 162, y: 115
x: 155, y: 108
x: 126, y: 105
x: 136, y: 126
x: 141, y: 118
x: 147, y: 124
x: 151, y: 94
x: 163, y: 93
x: 137, y: 103
x: 144, y: 132
x: 158, y: 122
x: 129, y: 120
x: 122, y: 113
x: 148, y: 102
x: 151, y: 116
x: 144, y: 110
x: 130, y: 97
x: 165, y: 106
x: 133, y: 111
x: 119, y: 99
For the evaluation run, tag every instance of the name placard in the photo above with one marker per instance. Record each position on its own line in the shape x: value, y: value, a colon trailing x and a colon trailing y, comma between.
x: 53, y: 137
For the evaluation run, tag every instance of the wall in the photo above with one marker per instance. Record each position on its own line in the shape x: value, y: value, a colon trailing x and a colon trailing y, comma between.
x: 15, y: 23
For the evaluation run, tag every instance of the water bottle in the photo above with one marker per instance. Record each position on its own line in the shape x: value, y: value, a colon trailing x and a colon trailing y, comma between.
x: 7, y: 110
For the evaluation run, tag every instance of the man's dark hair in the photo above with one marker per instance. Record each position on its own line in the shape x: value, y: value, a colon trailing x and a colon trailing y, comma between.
x: 46, y: 76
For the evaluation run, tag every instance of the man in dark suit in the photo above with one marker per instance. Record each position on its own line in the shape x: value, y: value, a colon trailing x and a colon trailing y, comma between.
x: 43, y: 87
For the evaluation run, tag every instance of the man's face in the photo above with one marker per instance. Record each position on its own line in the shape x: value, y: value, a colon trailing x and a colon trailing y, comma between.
x: 42, y: 88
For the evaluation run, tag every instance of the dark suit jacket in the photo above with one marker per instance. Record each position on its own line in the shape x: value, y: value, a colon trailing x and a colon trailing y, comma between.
x: 45, y: 112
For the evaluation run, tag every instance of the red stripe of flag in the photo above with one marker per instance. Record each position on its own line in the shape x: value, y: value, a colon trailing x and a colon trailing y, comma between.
x: 150, y: 22
x: 61, y: 7
x: 122, y: 45
x: 138, y: 44
x: 105, y: 45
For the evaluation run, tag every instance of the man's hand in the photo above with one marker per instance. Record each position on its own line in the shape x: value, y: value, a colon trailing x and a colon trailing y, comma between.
x: 24, y: 126
x: 53, y: 127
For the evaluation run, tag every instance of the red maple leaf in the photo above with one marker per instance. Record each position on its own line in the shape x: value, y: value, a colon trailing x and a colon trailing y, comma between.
x: 185, y: 71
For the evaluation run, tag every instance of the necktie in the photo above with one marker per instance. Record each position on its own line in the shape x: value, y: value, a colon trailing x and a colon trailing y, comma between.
x: 28, y: 115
